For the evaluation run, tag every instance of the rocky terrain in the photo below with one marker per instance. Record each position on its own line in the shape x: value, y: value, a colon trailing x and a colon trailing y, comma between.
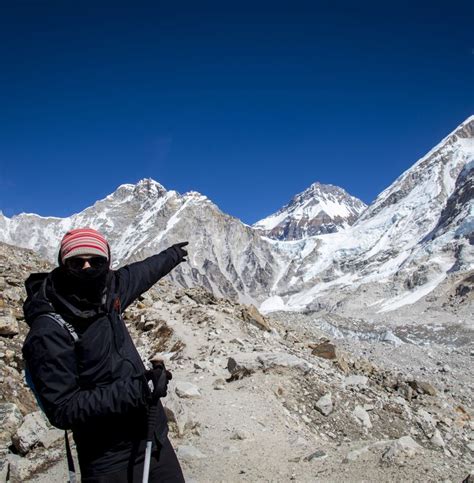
x: 313, y: 396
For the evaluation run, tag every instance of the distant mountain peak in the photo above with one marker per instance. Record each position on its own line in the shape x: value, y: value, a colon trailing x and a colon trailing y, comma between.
x: 320, y: 208
x: 318, y: 184
x: 324, y: 190
x: 147, y: 189
x: 150, y: 186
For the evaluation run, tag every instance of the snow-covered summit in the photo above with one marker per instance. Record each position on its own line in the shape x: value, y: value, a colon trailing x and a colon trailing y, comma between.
x: 146, y: 188
x: 321, y: 208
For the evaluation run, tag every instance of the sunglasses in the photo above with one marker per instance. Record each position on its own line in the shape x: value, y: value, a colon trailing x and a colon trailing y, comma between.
x: 76, y: 263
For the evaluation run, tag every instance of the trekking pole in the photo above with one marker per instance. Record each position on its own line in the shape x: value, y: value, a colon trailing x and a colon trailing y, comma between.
x: 152, y: 419
x: 152, y: 416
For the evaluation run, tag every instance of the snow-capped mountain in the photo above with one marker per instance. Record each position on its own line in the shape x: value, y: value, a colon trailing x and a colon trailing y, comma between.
x: 406, y: 242
x: 418, y: 232
x: 225, y: 255
x: 321, y: 208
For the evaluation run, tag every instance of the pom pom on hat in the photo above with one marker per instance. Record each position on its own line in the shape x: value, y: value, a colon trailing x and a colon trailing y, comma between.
x: 83, y: 241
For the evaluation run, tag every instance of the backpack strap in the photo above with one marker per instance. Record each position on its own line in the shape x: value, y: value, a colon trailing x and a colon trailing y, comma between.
x: 66, y: 325
x: 72, y: 332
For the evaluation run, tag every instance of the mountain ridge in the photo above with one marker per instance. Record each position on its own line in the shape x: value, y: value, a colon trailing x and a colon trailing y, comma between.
x: 388, y: 242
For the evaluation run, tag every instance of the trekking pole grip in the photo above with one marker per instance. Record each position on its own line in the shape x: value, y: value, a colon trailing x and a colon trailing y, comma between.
x: 152, y: 420
x: 153, y: 409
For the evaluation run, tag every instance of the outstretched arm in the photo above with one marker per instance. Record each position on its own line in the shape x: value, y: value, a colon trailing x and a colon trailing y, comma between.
x: 50, y: 359
x: 138, y: 277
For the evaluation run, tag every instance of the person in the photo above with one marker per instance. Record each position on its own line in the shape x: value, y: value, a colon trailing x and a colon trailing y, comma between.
x: 83, y: 366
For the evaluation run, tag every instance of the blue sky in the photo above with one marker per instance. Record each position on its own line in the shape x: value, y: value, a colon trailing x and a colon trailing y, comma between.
x: 246, y: 102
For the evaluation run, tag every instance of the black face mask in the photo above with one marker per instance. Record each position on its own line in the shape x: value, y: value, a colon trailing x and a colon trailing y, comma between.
x: 83, y: 288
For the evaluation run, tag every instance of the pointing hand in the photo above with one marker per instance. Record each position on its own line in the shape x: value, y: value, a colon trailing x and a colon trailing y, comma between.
x: 181, y: 252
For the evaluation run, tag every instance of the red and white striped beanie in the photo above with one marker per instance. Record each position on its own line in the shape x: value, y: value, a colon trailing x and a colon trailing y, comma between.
x: 83, y: 241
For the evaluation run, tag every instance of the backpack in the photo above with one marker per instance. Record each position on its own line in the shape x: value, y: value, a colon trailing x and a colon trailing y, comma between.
x: 29, y: 381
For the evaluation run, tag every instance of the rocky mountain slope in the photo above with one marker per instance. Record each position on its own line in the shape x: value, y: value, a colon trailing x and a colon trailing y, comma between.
x: 322, y: 208
x: 309, y: 398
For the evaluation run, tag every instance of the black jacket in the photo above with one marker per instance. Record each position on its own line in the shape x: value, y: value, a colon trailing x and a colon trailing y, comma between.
x: 96, y: 387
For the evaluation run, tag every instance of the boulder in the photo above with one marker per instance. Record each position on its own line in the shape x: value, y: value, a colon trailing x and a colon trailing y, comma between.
x: 218, y: 384
x: 13, y: 293
x: 243, y: 362
x: 247, y: 363
x: 437, y: 439
x: 325, y: 350
x: 187, y: 390
x: 362, y: 417
x: 325, y: 405
x: 188, y: 452
x: 29, y: 433
x: 181, y: 422
x: 251, y: 314
x: 10, y: 421
x: 426, y: 422
x: 364, y: 366
x: 422, y: 387
x: 342, y: 363
x: 22, y: 469
x: 405, y: 446
x: 8, y: 325
x: 4, y: 466
x: 269, y: 360
x: 355, y: 381
x: 49, y: 438
x: 9, y: 356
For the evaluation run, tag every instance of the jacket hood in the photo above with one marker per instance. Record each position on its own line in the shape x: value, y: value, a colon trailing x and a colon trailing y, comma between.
x: 42, y: 297
x: 36, y: 302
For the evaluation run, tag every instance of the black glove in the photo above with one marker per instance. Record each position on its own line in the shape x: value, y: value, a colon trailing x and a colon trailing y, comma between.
x: 180, y: 251
x: 159, y: 377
